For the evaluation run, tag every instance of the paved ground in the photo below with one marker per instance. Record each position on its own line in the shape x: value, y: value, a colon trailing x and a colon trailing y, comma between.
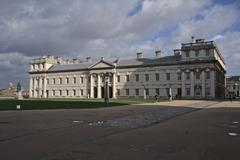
x: 193, y: 130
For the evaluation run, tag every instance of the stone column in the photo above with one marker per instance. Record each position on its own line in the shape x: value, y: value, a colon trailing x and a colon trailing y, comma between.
x: 91, y: 86
x: 45, y: 87
x: 183, y: 77
x: 203, y: 84
x: 30, y: 87
x: 34, y: 87
x: 192, y: 83
x: 212, y: 83
x: 99, y: 86
x: 40, y: 87
x: 114, y: 85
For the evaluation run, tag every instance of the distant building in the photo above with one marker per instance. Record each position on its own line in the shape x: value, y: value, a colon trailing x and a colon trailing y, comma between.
x: 197, y: 70
x: 8, y: 91
x: 233, y: 86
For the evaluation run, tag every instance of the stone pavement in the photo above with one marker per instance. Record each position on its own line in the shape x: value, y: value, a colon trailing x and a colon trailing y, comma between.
x: 166, y: 130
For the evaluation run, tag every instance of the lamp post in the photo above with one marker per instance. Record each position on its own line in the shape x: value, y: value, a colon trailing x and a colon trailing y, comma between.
x: 106, y: 89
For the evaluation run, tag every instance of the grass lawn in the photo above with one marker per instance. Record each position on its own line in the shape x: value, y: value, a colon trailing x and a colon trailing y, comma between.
x: 10, y: 104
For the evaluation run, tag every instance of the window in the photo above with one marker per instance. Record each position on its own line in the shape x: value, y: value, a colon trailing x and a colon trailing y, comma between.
x: 67, y: 80
x: 82, y: 80
x: 198, y: 75
x: 74, y: 92
x: 54, y: 93
x: 74, y: 80
x: 208, y: 52
x: 54, y: 80
x: 179, y: 76
x: 137, y: 77
x: 187, y: 53
x: 147, y: 91
x: 127, y: 78
x: 207, y: 75
x: 47, y: 81
x: 157, y: 91
x: 197, y: 53
x: 60, y: 92
x: 118, y: 92
x: 207, y: 91
x: 118, y: 78
x: 67, y: 92
x: 136, y: 91
x: 168, y: 76
x: 127, y: 92
x: 187, y: 76
x: 188, y: 91
x: 157, y: 76
x: 60, y: 80
x: 81, y: 92
x: 147, y: 77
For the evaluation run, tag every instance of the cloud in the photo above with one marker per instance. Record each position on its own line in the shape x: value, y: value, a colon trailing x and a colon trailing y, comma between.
x: 113, y: 29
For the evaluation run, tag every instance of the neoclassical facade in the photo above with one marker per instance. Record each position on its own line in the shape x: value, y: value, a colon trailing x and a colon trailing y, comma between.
x: 196, y: 71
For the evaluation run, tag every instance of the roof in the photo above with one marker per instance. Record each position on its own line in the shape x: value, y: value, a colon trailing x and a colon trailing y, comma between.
x: 119, y: 63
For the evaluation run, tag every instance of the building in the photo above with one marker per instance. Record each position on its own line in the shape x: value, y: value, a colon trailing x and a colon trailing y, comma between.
x: 197, y: 70
x: 8, y: 91
x: 233, y: 86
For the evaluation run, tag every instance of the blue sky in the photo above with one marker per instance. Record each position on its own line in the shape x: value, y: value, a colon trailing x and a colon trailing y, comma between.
x: 111, y: 29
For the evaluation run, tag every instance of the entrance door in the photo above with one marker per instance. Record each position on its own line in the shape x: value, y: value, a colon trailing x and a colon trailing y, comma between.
x: 95, y: 92
x: 179, y: 93
x: 102, y: 91
x: 110, y: 92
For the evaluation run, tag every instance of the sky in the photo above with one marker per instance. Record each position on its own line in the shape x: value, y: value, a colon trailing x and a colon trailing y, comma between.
x: 111, y: 29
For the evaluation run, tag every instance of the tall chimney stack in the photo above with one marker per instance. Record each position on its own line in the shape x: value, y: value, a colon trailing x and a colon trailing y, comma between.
x: 88, y: 59
x: 139, y: 55
x: 158, y: 54
x: 193, y: 39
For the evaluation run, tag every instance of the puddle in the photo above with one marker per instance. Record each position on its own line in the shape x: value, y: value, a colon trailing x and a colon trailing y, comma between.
x: 232, y: 134
x: 235, y: 122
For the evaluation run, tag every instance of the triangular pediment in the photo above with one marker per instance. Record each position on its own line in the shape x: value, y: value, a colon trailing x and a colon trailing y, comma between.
x: 101, y: 64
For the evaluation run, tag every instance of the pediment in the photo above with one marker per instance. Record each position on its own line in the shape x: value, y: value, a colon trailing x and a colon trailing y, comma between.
x: 101, y: 64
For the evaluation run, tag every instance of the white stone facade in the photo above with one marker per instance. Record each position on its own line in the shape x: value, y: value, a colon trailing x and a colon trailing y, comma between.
x: 197, y: 70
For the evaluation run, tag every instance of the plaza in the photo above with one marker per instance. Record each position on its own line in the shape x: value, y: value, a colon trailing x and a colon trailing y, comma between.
x: 182, y: 129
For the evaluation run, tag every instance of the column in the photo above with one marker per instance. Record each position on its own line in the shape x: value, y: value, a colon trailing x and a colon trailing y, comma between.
x: 34, y: 87
x: 114, y: 85
x: 212, y: 83
x: 99, y: 86
x: 91, y: 86
x: 45, y: 87
x: 40, y: 88
x: 183, y: 84
x: 192, y: 83
x: 30, y: 87
x: 203, y: 84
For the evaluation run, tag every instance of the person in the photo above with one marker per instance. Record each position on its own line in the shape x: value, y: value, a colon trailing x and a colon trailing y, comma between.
x: 156, y: 97
x: 230, y: 97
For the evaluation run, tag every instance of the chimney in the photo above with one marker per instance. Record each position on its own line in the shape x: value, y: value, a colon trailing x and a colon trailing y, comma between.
x: 139, y: 55
x: 75, y: 61
x: 88, y: 59
x: 177, y: 52
x: 102, y: 58
x: 158, y: 54
x: 193, y: 39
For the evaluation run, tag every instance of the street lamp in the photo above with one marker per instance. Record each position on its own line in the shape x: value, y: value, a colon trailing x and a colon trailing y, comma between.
x: 106, y: 89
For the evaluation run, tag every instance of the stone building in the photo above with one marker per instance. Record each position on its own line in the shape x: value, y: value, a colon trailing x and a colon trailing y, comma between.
x: 197, y: 70
x: 8, y: 91
x: 233, y: 85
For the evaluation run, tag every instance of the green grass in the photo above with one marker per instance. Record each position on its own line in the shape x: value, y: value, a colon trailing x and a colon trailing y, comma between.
x: 10, y: 104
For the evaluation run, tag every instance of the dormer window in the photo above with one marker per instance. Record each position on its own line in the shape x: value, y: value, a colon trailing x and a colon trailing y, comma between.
x: 208, y: 52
